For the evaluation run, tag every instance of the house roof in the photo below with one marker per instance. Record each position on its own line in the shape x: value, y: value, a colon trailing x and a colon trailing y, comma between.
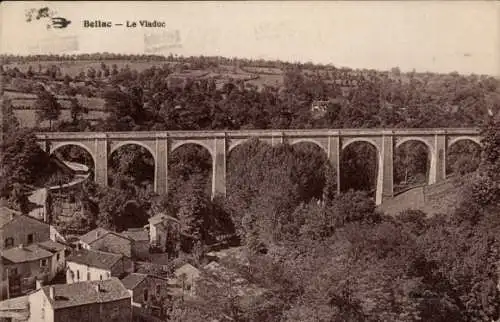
x: 52, y: 246
x: 98, y: 233
x: 15, y: 303
x: 133, y: 279
x: 7, y: 215
x: 94, y: 235
x: 137, y: 234
x: 25, y: 254
x: 17, y: 308
x: 94, y: 258
x: 89, y: 292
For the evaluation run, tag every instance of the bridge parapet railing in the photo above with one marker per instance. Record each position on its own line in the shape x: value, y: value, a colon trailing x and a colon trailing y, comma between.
x: 255, y: 133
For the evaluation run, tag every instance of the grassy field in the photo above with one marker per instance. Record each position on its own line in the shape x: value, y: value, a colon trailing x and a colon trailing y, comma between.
x: 28, y: 99
x: 24, y: 102
x: 263, y: 70
x: 267, y: 80
x: 73, y: 68
x: 27, y: 118
x: 25, y: 111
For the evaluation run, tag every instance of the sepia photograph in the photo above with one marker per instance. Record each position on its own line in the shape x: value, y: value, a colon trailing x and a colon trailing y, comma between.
x: 250, y: 161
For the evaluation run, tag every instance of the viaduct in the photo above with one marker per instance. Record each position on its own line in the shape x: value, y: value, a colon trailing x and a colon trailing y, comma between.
x: 220, y: 143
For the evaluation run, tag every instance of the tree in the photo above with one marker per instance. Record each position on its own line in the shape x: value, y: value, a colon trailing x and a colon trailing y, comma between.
x: 112, y: 204
x: 76, y: 110
x: 48, y: 108
x: 10, y: 123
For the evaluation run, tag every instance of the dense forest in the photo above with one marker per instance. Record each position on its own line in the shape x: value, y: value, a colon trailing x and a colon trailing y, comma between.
x: 319, y: 255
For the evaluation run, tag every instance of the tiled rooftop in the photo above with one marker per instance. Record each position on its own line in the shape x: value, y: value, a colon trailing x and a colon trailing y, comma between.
x: 52, y: 246
x: 82, y: 293
x: 94, y: 235
x: 25, y: 254
x: 136, y: 234
x: 7, y: 215
x: 99, y: 233
x: 94, y: 258
x: 132, y: 280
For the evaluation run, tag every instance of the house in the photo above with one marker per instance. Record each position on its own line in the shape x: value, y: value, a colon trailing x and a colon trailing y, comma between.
x: 23, y: 266
x: 148, y: 292
x: 94, y: 301
x: 28, y: 253
x: 58, y: 261
x: 93, y: 265
x: 140, y: 241
x: 161, y: 227
x: 106, y: 241
x: 17, y: 229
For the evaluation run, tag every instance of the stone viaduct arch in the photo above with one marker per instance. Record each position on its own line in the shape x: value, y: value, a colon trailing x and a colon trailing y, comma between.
x: 220, y: 143
x: 55, y: 147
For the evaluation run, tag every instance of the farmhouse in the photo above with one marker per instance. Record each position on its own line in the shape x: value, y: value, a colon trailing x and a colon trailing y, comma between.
x: 92, y: 265
x: 96, y: 301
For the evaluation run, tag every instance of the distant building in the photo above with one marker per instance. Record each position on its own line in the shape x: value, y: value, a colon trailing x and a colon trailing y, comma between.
x: 319, y: 107
x: 140, y: 241
x: 133, y: 242
x: 148, y: 293
x: 161, y: 227
x: 97, y: 301
x: 107, y: 241
x: 92, y: 265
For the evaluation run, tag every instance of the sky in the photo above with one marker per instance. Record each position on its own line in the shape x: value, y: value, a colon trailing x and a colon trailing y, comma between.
x: 437, y: 36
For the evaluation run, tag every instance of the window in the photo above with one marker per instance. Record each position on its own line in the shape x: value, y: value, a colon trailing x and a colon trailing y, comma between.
x: 12, y: 271
x: 9, y: 242
x: 58, y: 256
x: 145, y: 295
x: 88, y: 276
x: 30, y: 239
x: 77, y: 275
x: 108, y: 275
x: 158, y: 290
x: 100, y: 277
x: 43, y: 262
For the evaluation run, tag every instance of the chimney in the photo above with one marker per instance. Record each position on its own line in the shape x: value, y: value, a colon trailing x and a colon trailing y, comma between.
x: 52, y: 294
x: 39, y: 284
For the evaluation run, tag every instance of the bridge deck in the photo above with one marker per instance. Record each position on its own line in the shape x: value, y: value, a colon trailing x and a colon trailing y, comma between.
x: 258, y: 133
